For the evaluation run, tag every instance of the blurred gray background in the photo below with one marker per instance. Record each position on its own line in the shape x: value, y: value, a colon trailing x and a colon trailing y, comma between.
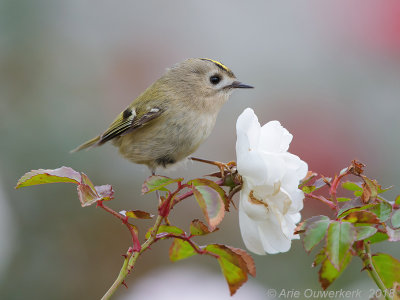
x: 329, y: 71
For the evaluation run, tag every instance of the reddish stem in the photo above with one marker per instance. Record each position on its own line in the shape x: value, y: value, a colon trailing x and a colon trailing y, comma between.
x: 322, y: 199
x: 135, y: 240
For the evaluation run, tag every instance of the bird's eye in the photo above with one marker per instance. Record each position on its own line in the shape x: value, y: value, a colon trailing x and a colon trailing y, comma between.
x: 215, y: 79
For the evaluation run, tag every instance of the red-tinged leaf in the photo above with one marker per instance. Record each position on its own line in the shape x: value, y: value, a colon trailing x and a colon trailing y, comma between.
x: 352, y: 186
x: 319, y: 258
x: 328, y: 272
x: 165, y: 229
x: 387, y: 267
x: 199, y: 228
x: 251, y: 267
x: 339, y: 239
x: 382, y: 210
x: 397, y: 201
x: 377, y: 238
x: 351, y: 206
x: 233, y: 266
x: 395, y: 219
x: 216, y: 187
x: 314, y: 234
x: 362, y: 216
x: 180, y: 249
x: 157, y: 182
x: 210, y: 200
x: 309, y: 176
x: 301, y: 227
x: 42, y: 176
x: 370, y: 190
x: 364, y: 232
x: 137, y: 214
x: 394, y: 234
x: 105, y: 192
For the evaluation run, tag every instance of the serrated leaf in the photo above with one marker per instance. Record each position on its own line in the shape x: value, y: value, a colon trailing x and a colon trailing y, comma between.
x: 382, y: 210
x: 232, y: 264
x: 180, y: 249
x: 395, y: 220
x: 212, y: 184
x: 251, y: 267
x: 165, y: 229
x: 137, y: 214
x: 89, y: 194
x: 319, y: 258
x: 361, y: 216
x: 157, y: 182
x: 352, y: 206
x: 199, y: 228
x: 308, y: 189
x: 44, y: 176
x: 351, y: 186
x: 377, y: 238
x: 340, y: 238
x: 105, y: 192
x: 364, y: 232
x: 301, y: 227
x: 314, y: 234
x: 210, y: 200
x: 387, y: 267
x: 328, y: 272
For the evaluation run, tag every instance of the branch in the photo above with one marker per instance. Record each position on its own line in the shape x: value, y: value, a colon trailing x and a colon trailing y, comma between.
x: 369, y: 266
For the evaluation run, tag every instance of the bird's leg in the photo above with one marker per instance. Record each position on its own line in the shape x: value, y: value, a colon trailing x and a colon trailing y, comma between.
x: 221, y: 166
x: 153, y: 172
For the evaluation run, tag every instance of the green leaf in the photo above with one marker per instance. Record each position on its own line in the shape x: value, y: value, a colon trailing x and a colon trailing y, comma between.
x: 350, y: 207
x: 210, y: 199
x: 199, y: 228
x: 364, y: 232
x: 397, y: 200
x: 395, y: 220
x: 387, y: 267
x: 370, y: 190
x: 351, y: 186
x: 377, y: 238
x: 382, y: 210
x: 212, y: 184
x: 180, y: 249
x: 308, y: 189
x: 319, y: 258
x: 328, y: 272
x: 157, y: 182
x: 42, y: 176
x: 341, y: 199
x: 362, y: 216
x: 233, y: 265
x: 301, y: 227
x: 165, y: 229
x: 314, y: 234
x: 137, y: 214
x: 340, y: 238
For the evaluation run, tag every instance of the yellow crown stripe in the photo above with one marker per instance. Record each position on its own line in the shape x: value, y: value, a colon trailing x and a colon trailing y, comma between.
x: 222, y: 66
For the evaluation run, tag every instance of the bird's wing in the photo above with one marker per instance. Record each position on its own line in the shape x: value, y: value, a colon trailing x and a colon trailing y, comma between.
x: 129, y: 120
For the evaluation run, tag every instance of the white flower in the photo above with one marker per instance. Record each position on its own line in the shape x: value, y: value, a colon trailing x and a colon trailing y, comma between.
x: 270, y: 201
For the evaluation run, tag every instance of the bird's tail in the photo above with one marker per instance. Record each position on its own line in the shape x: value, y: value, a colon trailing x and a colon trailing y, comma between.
x: 86, y: 145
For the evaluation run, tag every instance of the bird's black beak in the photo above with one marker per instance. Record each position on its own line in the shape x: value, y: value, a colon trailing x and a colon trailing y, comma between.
x: 239, y: 85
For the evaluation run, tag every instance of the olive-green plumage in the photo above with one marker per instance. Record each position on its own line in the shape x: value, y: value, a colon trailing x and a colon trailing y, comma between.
x: 170, y: 119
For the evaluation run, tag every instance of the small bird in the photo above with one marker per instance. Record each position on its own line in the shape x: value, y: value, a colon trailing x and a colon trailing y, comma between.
x: 172, y: 117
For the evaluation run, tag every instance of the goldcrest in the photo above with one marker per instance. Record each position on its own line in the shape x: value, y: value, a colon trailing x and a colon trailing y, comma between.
x: 172, y: 117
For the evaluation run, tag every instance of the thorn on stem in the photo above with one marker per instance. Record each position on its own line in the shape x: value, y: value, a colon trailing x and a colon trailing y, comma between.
x: 99, y: 203
x: 124, y: 284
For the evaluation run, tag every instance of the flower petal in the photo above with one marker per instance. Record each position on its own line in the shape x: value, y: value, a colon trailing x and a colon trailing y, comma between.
x: 250, y: 234
x: 274, y: 137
